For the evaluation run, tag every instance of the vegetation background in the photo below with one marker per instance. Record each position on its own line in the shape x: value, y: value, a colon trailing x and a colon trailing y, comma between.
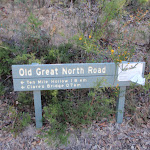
x: 75, y: 31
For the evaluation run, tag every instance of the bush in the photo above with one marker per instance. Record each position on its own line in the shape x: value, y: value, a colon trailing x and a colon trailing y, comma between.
x: 59, y: 55
x: 25, y: 98
x: 75, y: 112
x: 1, y: 90
x: 6, y: 59
x: 18, y: 120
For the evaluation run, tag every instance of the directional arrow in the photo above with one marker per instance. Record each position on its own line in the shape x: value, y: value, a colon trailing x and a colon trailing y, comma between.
x: 22, y: 82
x: 22, y: 87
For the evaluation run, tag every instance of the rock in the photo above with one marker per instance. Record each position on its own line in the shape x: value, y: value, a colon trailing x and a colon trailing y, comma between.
x: 132, y: 147
x: 121, y: 136
x: 88, y: 146
x: 147, y: 143
x: 95, y: 147
x: 117, y: 144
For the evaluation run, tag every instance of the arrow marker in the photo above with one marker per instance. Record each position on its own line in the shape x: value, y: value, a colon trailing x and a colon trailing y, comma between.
x: 22, y: 87
x: 22, y: 82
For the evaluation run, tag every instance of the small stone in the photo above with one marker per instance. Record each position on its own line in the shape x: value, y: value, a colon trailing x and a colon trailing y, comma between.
x: 95, y: 147
x: 88, y: 146
x: 34, y: 143
x: 118, y: 143
x: 132, y: 147
x: 121, y: 136
x: 101, y: 143
x: 147, y: 143
x: 94, y: 135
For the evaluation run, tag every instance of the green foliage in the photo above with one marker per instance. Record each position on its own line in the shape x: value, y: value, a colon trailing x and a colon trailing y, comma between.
x: 25, y: 98
x: 33, y: 38
x: 75, y: 112
x: 143, y: 1
x: 138, y: 4
x: 33, y: 23
x: 112, y: 9
x: 10, y: 56
x: 27, y: 59
x: 60, y: 54
x: 146, y: 87
x: 18, y: 120
x: 6, y: 59
x: 1, y: 90
x: 52, y: 112
x: 26, y: 119
x: 122, y: 54
x: 98, y: 44
x: 132, y: 93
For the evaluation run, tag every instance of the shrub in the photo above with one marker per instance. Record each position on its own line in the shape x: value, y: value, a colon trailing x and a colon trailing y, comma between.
x: 6, y: 59
x: 18, y: 120
x: 33, y: 39
x: 76, y: 112
x: 1, y: 90
x: 25, y: 98
x: 27, y: 59
x: 60, y: 54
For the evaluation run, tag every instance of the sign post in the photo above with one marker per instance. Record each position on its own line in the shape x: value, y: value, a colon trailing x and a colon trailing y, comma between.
x: 37, y: 77
x: 120, y: 104
x: 38, y: 108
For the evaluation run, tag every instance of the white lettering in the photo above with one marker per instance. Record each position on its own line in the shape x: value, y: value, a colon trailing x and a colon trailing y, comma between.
x: 95, y: 70
x: 72, y: 71
x: 38, y: 71
x: 21, y: 72
x: 77, y: 70
x: 67, y: 85
x: 56, y: 71
x: 104, y: 70
x: 25, y: 72
x: 90, y: 70
x: 43, y: 72
x: 52, y: 72
x: 48, y: 85
x: 47, y: 72
x: 99, y: 70
x: 30, y: 72
x: 30, y: 82
x: 69, y: 71
x: 64, y: 70
x: 42, y: 81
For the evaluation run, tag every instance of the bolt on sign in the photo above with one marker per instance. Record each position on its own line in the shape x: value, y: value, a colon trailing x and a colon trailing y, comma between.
x: 37, y: 77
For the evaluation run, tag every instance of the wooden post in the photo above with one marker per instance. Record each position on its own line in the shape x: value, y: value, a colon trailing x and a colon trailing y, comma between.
x: 38, y: 108
x: 120, y: 104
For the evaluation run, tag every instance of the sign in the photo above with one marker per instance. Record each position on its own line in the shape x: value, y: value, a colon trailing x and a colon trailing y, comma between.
x: 64, y: 76
x: 37, y: 77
